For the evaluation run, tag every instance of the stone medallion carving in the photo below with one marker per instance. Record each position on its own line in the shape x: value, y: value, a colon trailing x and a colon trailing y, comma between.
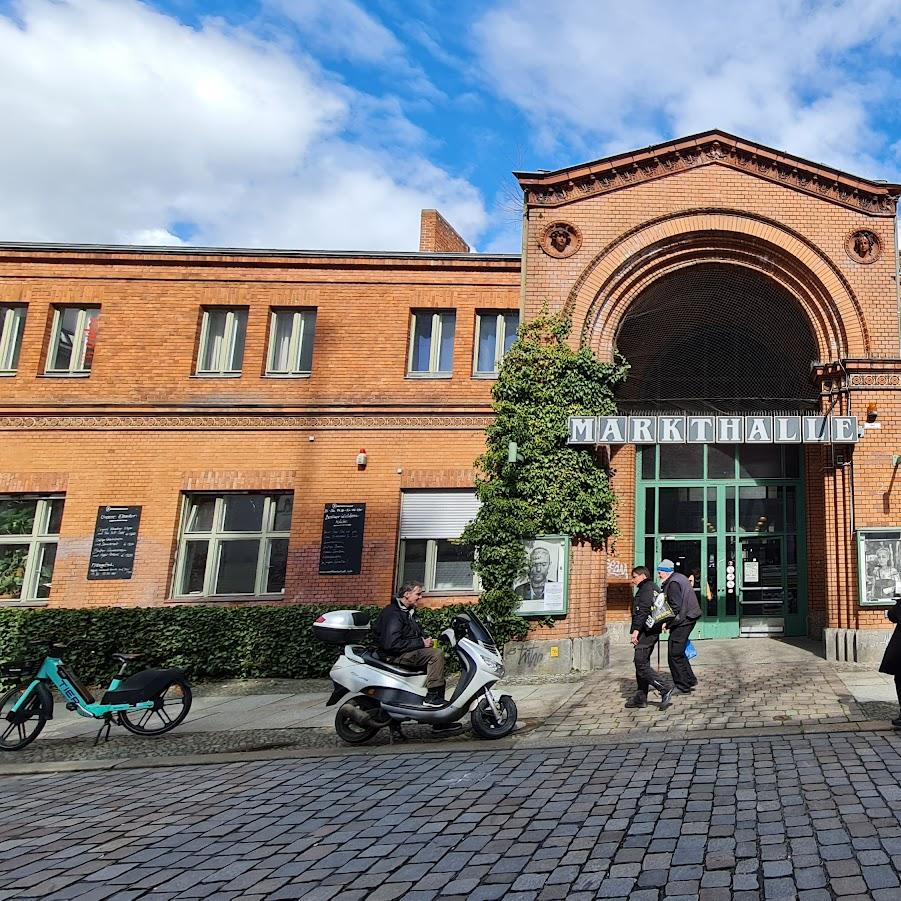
x: 863, y: 246
x: 560, y: 239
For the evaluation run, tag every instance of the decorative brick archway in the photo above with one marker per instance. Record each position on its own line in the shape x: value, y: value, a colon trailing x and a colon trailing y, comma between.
x: 618, y: 274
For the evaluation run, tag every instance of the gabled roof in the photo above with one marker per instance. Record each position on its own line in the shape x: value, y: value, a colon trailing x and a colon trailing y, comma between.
x: 550, y: 189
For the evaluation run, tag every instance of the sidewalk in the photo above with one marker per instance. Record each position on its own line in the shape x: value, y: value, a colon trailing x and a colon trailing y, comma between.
x: 747, y: 687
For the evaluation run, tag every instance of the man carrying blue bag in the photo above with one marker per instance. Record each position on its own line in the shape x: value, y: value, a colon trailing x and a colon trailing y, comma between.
x: 680, y: 595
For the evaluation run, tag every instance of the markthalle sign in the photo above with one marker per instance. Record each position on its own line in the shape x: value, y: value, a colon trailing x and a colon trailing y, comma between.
x: 683, y: 429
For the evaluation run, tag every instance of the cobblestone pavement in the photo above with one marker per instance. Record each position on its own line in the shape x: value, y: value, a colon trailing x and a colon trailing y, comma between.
x: 808, y: 817
x: 743, y: 684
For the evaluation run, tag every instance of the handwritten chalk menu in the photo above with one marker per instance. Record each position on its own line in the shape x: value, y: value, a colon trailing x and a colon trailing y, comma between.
x: 341, y: 551
x: 115, y: 540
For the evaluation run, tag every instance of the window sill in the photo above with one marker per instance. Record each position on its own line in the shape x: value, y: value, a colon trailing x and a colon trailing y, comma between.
x: 213, y: 600
x: 79, y: 374
x: 429, y: 375
x: 6, y: 603
x: 8, y: 373
x: 451, y: 592
x: 216, y: 375
x: 489, y: 376
x: 287, y: 375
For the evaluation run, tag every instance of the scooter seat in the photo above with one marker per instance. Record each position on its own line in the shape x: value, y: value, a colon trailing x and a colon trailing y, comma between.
x: 371, y: 657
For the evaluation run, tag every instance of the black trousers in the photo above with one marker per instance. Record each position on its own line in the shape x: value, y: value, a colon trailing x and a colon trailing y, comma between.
x: 898, y: 688
x: 679, y: 667
x: 646, y: 676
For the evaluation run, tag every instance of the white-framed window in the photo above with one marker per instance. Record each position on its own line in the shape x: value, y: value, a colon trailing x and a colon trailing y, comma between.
x: 73, y: 338
x: 495, y: 333
x: 29, y: 534
x: 222, y: 334
x: 432, y: 343
x: 12, y: 324
x: 233, y: 544
x: 429, y: 523
x: 291, y: 335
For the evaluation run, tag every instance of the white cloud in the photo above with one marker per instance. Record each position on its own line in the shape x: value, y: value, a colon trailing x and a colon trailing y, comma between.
x: 798, y: 76
x: 125, y: 125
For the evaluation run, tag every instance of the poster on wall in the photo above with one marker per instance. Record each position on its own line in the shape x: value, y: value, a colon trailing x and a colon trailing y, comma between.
x: 878, y: 566
x: 544, y: 584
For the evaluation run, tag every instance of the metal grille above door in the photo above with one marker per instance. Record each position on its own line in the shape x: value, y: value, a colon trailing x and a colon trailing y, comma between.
x: 716, y: 337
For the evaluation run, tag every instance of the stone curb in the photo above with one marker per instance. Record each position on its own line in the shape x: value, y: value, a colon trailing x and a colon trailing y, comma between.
x: 485, y: 747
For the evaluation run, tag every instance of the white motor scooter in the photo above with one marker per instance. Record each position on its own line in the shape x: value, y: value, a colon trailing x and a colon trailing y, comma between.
x: 386, y: 694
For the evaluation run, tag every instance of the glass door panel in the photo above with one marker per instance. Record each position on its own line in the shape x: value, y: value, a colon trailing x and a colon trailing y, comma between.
x: 762, y: 586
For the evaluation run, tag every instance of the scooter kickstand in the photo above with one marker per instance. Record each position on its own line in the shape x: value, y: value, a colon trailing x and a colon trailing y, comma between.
x: 107, y: 725
x: 395, y: 733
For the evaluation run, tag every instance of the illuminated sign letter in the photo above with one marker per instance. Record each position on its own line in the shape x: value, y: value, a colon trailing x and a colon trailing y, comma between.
x: 701, y: 430
x: 582, y: 430
x: 671, y: 429
x: 730, y: 429
x: 815, y: 429
x: 642, y: 429
x: 759, y: 429
x: 787, y: 430
x: 611, y: 430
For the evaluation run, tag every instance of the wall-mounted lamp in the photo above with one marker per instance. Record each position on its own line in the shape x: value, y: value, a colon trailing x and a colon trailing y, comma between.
x: 896, y: 459
x: 513, y: 454
x: 872, y: 412
x: 361, y: 458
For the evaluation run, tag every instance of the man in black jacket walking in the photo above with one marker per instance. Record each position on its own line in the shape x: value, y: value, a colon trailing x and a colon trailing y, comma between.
x: 643, y: 639
x: 401, y: 640
x: 682, y: 598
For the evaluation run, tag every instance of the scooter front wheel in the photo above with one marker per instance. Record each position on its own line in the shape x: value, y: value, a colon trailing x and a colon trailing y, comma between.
x: 351, y: 721
x: 21, y: 728
x: 486, y: 725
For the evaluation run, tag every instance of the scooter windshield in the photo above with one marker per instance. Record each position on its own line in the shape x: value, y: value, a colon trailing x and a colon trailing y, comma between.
x: 478, y: 632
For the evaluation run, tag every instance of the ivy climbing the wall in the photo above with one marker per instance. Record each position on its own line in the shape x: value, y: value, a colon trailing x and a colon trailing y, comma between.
x: 555, y: 488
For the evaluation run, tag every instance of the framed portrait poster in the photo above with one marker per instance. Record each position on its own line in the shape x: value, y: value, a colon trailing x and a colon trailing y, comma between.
x: 878, y: 566
x: 544, y: 584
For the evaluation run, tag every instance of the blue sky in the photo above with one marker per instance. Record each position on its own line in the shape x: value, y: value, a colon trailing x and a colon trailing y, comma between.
x: 330, y: 123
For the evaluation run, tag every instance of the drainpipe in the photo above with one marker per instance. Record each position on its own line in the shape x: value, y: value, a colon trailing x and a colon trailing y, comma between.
x: 897, y: 277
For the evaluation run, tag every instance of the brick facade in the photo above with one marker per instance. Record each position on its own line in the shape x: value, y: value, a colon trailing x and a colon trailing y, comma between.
x: 143, y: 429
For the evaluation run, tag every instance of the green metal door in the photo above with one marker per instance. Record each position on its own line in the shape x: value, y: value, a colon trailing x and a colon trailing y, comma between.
x: 703, y: 506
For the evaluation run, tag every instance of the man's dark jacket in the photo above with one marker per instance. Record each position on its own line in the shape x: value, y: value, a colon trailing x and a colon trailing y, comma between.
x: 682, y: 599
x: 641, y: 608
x: 891, y: 662
x: 396, y: 630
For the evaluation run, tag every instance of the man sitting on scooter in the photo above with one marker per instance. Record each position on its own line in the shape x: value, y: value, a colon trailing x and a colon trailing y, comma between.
x: 400, y: 640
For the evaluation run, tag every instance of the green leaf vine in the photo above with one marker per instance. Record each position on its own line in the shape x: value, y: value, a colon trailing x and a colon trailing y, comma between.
x: 556, y: 488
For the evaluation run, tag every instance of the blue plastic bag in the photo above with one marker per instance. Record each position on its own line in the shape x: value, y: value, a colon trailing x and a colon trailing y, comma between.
x: 690, y: 650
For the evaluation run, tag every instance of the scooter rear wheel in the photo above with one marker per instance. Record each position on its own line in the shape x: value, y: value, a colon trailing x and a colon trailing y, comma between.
x: 486, y: 725
x: 348, y: 728
x: 170, y: 707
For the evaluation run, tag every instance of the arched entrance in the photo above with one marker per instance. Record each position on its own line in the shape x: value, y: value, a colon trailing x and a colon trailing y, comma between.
x: 718, y: 337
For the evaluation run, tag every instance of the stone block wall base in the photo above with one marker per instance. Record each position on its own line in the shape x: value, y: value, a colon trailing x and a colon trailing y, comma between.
x: 557, y: 657
x: 856, y: 645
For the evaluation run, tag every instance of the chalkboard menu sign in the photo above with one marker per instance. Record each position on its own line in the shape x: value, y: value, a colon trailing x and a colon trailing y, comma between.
x: 115, y: 540
x: 341, y: 551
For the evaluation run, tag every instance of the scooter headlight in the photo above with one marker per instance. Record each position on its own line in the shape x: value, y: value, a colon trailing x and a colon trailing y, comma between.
x: 494, y: 667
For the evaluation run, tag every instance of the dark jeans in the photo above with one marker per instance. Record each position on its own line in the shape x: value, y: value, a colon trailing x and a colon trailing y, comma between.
x: 431, y: 658
x: 898, y: 688
x: 646, y: 676
x: 683, y: 675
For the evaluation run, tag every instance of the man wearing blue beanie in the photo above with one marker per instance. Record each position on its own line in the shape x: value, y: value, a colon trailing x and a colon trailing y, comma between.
x: 682, y: 598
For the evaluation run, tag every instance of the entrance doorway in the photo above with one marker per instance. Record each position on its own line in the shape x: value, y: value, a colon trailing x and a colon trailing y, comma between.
x: 730, y: 517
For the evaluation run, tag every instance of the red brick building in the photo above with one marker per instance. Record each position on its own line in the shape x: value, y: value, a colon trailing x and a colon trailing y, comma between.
x: 229, y: 394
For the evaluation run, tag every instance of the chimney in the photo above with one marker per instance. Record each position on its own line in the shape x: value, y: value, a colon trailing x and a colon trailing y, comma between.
x: 437, y: 235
